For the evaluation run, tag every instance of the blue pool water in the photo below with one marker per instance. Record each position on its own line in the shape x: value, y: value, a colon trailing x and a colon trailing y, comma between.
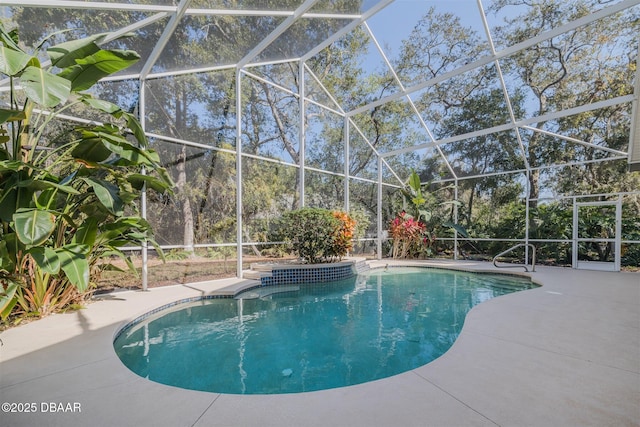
x: 293, y: 339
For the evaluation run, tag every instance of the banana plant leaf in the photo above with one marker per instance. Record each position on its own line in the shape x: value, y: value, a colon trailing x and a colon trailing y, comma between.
x: 7, y: 300
x: 73, y: 262
x: 457, y: 227
x: 34, y: 226
x: 89, y: 70
x: 11, y: 115
x: 46, y: 258
x: 108, y: 194
x: 45, y: 88
x: 12, y: 62
x: 65, y: 54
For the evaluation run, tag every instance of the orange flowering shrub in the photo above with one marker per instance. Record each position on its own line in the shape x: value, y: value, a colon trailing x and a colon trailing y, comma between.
x: 317, y: 235
x: 343, y: 235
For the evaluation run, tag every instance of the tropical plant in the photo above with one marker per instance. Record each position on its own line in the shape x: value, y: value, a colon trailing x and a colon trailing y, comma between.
x: 317, y: 235
x: 410, y: 236
x: 68, y: 201
x: 343, y: 234
x: 413, y: 230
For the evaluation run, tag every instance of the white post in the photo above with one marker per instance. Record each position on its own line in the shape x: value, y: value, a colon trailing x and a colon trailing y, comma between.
x: 238, y: 174
x: 347, y: 160
x: 618, y: 242
x: 301, y: 136
x: 380, y: 230
x: 455, y: 219
x: 526, y: 223
x: 574, y: 235
x: 143, y: 194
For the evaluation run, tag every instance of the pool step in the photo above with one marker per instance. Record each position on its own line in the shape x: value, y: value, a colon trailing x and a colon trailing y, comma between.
x: 255, y: 274
x: 362, y: 266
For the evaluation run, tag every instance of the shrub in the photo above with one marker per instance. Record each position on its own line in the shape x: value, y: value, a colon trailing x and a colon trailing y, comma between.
x: 317, y: 235
x: 410, y: 236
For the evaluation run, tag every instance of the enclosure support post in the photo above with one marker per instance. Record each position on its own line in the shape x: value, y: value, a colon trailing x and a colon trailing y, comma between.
x: 526, y: 221
x: 379, y: 213
x: 618, y: 243
x: 143, y: 193
x: 238, y: 174
x: 574, y: 234
x: 347, y: 156
x: 301, y: 136
x: 455, y: 220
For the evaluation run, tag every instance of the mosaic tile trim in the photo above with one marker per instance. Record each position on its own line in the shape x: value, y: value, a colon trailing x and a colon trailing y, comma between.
x: 296, y: 276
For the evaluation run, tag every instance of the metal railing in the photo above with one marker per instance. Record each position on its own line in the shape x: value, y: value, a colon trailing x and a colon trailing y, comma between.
x: 533, y: 258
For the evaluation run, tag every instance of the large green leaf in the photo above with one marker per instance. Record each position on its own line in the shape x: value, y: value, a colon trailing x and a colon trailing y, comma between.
x: 65, y: 54
x: 7, y: 299
x: 41, y: 184
x: 88, y: 71
x: 91, y: 150
x: 457, y: 227
x: 138, y: 180
x: 34, y: 226
x: 108, y: 194
x: 102, y: 105
x: 87, y: 232
x: 45, y: 88
x: 120, y: 146
x: 414, y: 182
x: 46, y: 258
x: 135, y: 127
x: 7, y: 259
x: 11, y: 115
x: 73, y: 262
x: 9, y: 38
x: 12, y: 62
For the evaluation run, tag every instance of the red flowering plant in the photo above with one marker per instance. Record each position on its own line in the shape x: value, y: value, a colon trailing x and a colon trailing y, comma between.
x: 413, y: 235
x: 410, y: 236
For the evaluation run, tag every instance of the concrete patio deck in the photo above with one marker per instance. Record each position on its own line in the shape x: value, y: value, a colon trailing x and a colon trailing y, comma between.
x: 564, y: 354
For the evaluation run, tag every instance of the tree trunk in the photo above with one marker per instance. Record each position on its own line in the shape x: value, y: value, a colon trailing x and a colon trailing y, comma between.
x: 185, y: 202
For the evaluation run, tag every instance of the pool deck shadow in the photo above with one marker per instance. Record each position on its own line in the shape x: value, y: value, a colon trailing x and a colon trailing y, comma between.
x: 564, y: 354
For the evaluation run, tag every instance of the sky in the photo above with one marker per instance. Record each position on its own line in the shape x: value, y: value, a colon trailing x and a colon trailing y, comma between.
x: 394, y: 23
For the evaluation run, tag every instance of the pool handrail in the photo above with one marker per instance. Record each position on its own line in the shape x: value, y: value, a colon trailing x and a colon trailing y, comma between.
x: 533, y: 258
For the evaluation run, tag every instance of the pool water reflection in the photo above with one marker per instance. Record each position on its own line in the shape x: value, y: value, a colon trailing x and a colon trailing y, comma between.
x: 310, y: 337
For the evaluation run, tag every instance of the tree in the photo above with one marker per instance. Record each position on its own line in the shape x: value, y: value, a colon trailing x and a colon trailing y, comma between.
x: 484, y: 154
x: 579, y: 67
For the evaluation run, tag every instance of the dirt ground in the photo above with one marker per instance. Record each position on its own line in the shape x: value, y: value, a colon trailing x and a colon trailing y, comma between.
x: 172, y: 272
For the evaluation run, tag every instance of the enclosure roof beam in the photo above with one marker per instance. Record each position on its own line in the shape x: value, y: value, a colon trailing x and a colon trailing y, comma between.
x: 503, y: 84
x: 95, y: 5
x: 348, y: 28
x: 521, y: 123
x: 577, y: 141
x: 409, y: 100
x: 602, y: 13
x: 280, y: 29
x: 164, y: 38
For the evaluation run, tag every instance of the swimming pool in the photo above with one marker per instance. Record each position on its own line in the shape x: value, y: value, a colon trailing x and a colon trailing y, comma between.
x: 297, y: 338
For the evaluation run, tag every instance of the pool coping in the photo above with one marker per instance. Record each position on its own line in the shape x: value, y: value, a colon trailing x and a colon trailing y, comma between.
x: 567, y: 353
